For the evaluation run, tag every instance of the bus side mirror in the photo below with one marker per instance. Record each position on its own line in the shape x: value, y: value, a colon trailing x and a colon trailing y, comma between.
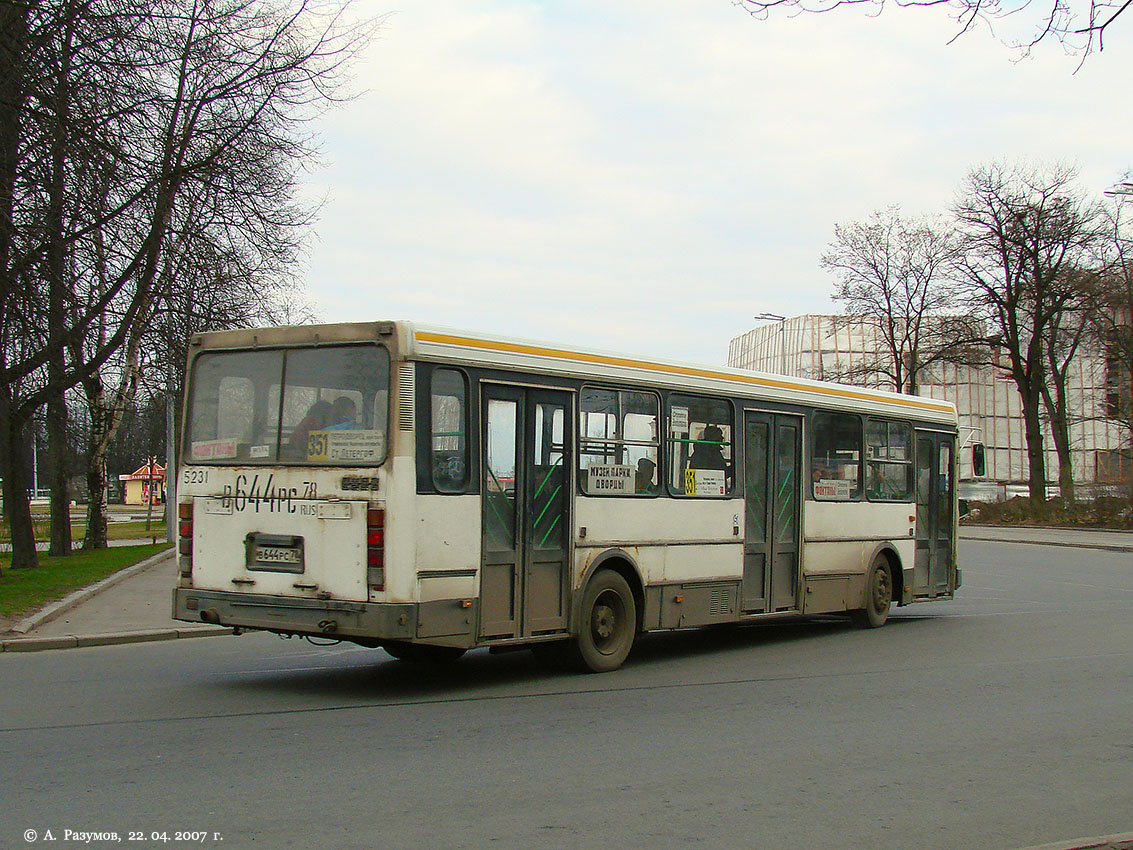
x: 979, y: 464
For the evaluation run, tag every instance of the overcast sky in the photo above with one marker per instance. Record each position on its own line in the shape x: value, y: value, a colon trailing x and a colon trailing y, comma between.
x: 647, y: 176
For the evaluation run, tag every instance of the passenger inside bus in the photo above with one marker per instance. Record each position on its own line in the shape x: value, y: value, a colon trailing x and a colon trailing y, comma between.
x: 316, y: 419
x: 342, y: 416
x: 708, y: 452
x: 643, y: 479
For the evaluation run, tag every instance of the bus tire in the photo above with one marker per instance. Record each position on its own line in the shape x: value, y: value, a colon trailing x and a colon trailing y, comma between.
x: 878, y: 596
x: 420, y: 653
x: 608, y: 624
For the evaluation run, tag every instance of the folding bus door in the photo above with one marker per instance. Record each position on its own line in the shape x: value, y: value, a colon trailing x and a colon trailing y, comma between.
x: 525, y: 497
x: 935, y: 500
x: 772, y: 445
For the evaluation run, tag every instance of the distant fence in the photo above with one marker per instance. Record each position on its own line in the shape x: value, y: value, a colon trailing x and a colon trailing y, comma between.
x: 993, y: 491
x: 41, y: 528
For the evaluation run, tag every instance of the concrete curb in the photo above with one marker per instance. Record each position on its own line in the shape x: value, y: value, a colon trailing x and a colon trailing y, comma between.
x: 1105, y: 547
x: 1087, y: 529
x: 34, y: 644
x: 1104, y: 842
x: 57, y: 609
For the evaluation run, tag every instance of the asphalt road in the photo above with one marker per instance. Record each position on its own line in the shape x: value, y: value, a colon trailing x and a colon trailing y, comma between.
x: 997, y: 721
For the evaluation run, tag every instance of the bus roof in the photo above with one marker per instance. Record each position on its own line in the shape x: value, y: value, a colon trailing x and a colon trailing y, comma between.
x: 448, y: 345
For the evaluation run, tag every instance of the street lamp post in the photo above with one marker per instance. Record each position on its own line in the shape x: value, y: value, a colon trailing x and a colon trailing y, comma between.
x: 775, y: 317
x: 149, y: 492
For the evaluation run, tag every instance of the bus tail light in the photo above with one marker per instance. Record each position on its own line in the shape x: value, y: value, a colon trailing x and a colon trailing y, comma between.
x: 375, y: 549
x: 185, y: 539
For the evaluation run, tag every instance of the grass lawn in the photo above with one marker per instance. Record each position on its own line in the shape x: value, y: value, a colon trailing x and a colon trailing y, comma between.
x: 126, y: 530
x: 23, y: 592
x: 131, y: 530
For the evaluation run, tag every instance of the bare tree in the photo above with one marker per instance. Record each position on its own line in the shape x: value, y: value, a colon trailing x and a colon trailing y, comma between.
x: 195, y: 114
x: 1078, y: 25
x: 1112, y: 322
x: 1067, y: 331
x: 1026, y: 235
x: 235, y: 229
x: 892, y: 281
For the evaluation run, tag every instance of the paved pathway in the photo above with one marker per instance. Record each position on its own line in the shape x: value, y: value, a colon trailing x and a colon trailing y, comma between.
x: 1086, y: 538
x: 130, y: 606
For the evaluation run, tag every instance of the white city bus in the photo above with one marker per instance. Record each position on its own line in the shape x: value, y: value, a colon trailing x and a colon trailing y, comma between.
x: 428, y: 491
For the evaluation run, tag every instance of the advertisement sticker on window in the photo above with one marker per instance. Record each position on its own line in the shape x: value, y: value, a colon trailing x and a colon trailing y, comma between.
x: 705, y: 482
x: 678, y: 420
x: 345, y: 446
x: 213, y: 449
x: 836, y: 489
x: 605, y: 479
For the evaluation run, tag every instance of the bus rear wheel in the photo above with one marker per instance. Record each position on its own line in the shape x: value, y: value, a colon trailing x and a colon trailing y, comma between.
x: 420, y: 653
x: 878, y: 596
x: 609, y: 624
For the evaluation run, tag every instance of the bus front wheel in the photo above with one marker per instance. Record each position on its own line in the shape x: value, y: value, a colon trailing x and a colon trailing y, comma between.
x: 878, y: 596
x: 608, y: 626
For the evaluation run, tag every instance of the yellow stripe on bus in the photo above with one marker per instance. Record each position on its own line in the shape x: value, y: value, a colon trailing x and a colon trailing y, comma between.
x: 605, y: 360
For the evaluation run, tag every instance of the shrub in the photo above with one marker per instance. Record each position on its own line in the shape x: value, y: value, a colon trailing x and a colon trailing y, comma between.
x: 1103, y: 512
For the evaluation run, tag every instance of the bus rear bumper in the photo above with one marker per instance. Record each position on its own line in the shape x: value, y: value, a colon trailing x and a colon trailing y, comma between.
x: 363, y: 622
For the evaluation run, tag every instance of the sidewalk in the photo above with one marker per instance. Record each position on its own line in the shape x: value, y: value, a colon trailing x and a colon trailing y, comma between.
x: 1080, y: 538
x: 131, y: 606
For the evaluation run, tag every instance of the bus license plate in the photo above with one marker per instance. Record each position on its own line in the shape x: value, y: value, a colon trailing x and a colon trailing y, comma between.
x: 280, y: 553
x: 277, y: 555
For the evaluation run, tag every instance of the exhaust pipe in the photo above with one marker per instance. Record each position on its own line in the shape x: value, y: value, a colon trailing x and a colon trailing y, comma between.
x: 210, y: 615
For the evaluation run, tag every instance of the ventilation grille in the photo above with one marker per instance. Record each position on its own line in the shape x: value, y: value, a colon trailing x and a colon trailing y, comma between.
x: 720, y: 602
x: 405, y: 397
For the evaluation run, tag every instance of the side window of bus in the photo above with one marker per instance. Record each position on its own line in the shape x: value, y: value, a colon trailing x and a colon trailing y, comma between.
x: 889, y: 461
x: 836, y: 460
x: 449, y: 418
x: 618, y: 442
x: 699, y: 446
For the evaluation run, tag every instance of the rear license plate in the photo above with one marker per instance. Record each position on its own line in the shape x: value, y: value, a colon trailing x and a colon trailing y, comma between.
x: 281, y: 553
x: 277, y: 555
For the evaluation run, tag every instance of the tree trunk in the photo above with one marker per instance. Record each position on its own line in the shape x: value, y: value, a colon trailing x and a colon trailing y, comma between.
x: 97, y: 512
x: 56, y: 310
x: 912, y: 373
x: 170, y: 468
x: 57, y: 477
x: 13, y: 44
x: 1065, y: 472
x: 1060, y: 431
x: 1036, y: 452
x: 106, y: 411
x: 1055, y: 396
x: 13, y: 469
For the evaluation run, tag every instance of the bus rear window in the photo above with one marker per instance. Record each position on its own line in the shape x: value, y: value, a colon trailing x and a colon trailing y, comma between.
x: 326, y: 406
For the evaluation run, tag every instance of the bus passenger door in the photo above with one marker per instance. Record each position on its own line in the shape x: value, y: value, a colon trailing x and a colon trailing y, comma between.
x: 771, y: 512
x: 935, y: 491
x: 525, y: 495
